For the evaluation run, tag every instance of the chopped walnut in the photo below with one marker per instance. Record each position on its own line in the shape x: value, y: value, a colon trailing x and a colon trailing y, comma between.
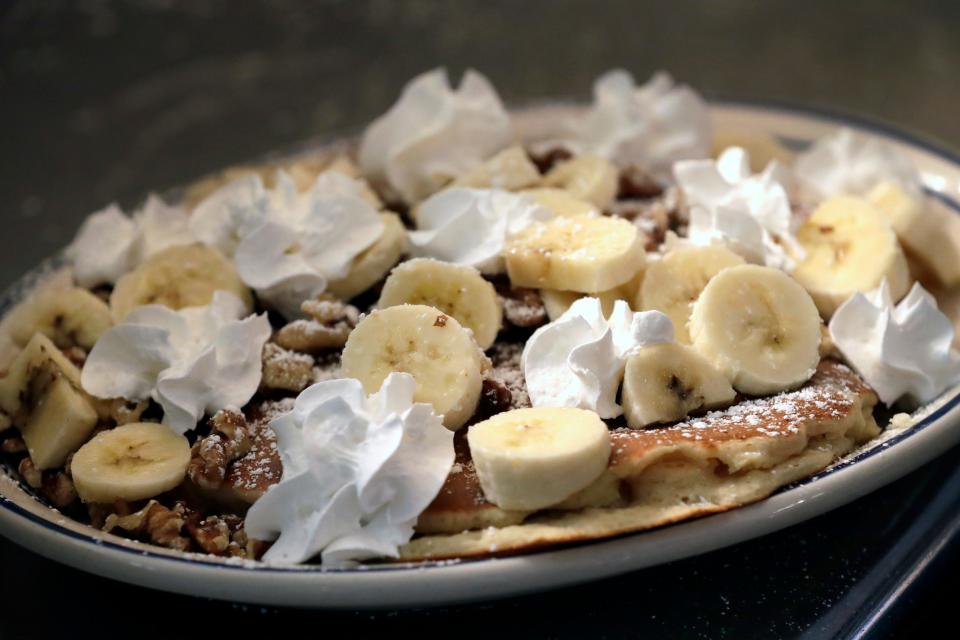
x: 330, y: 326
x: 522, y: 307
x: 118, y: 411
x: 76, y: 355
x: 546, y: 159
x: 162, y: 526
x: 31, y: 475
x: 210, y: 456
x: 653, y: 217
x: 211, y: 534
x: 328, y: 310
x: 495, y: 397
x: 637, y: 183
x: 13, y: 445
x: 285, y: 369
x: 59, y: 489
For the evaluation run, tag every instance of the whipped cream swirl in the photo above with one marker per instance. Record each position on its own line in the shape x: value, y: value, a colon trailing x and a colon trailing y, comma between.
x: 288, y: 245
x: 357, y: 472
x: 846, y: 162
x: 109, y: 243
x: 652, y: 126
x: 902, y: 350
x: 192, y: 362
x: 749, y: 212
x: 433, y: 134
x: 472, y: 226
x: 578, y: 360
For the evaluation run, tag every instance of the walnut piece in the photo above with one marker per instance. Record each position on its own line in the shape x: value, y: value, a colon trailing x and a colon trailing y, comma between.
x: 58, y: 488
x: 211, y: 534
x: 13, y: 445
x: 330, y: 326
x: 523, y: 307
x: 160, y: 525
x: 495, y: 397
x: 31, y: 475
x: 285, y: 369
x: 210, y: 456
x: 637, y: 183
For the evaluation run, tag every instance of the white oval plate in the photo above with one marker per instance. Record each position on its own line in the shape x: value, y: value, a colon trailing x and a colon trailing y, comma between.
x: 27, y: 521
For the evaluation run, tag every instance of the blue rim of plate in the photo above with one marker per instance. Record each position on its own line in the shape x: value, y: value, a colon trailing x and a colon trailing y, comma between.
x: 832, y: 116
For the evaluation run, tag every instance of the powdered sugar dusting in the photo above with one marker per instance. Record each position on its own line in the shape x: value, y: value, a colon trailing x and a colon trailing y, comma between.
x: 829, y: 395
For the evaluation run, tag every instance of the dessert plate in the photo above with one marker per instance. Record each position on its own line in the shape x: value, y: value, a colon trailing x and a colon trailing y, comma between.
x: 900, y: 449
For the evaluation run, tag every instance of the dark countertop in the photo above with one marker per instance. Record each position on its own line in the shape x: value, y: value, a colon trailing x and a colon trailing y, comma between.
x: 107, y: 100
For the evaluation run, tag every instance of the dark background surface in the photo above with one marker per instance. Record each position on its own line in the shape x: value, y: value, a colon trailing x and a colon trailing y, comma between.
x: 104, y: 101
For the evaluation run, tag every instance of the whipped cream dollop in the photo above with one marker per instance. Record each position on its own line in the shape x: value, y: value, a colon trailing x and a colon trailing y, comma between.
x: 578, y: 360
x: 288, y: 245
x: 652, y: 126
x: 192, y: 362
x: 748, y: 212
x: 357, y: 472
x: 902, y: 350
x: 110, y: 243
x: 434, y: 133
x: 846, y: 162
x: 472, y: 226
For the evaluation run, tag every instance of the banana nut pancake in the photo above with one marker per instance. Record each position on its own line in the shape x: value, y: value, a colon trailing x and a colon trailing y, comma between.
x: 697, y: 467
x: 484, y: 344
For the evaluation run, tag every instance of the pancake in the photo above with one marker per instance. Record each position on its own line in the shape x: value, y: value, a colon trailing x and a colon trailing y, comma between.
x: 705, y: 465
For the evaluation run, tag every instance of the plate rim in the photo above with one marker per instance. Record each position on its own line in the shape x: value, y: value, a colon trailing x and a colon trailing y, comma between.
x: 458, y: 581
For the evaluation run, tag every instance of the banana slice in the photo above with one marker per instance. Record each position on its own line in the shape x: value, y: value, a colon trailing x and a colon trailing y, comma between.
x: 761, y: 148
x: 178, y: 277
x: 673, y: 284
x: 585, y: 254
x: 587, y: 177
x: 69, y: 317
x: 759, y: 327
x: 374, y: 263
x: 41, y: 393
x: 557, y: 302
x: 510, y: 170
x: 132, y: 462
x: 457, y: 290
x: 667, y: 382
x: 849, y: 247
x: 530, y: 459
x: 927, y: 229
x: 429, y: 345
x: 561, y: 202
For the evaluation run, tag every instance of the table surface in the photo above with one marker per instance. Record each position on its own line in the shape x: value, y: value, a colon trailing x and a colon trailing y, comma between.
x: 107, y: 100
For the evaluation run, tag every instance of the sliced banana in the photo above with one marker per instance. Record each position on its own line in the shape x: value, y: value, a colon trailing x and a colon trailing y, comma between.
x: 927, y: 229
x: 132, y: 462
x: 586, y: 254
x: 529, y: 459
x: 41, y: 393
x: 178, y: 277
x: 375, y: 262
x: 561, y: 202
x: 666, y: 382
x: 557, y: 302
x: 673, y: 284
x: 429, y: 345
x: 510, y: 170
x: 849, y: 247
x: 70, y: 317
x: 761, y: 148
x: 587, y: 177
x: 457, y: 290
x: 759, y: 327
